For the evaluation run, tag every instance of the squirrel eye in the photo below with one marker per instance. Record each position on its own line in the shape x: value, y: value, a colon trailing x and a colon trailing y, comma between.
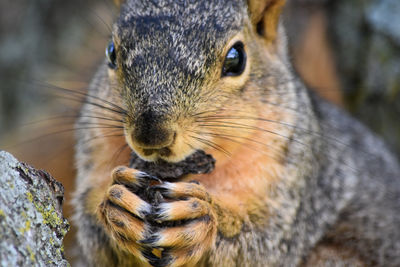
x: 235, y: 60
x: 111, y: 56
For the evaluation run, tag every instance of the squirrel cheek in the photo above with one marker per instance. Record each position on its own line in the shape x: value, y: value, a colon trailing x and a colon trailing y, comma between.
x: 112, y: 76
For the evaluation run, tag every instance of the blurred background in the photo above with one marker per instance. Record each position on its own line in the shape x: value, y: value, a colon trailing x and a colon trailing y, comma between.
x: 346, y: 50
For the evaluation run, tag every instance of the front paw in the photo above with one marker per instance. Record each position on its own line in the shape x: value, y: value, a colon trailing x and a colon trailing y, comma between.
x: 186, y: 225
x: 123, y: 212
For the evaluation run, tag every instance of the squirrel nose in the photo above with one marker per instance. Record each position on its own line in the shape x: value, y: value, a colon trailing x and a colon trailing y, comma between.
x: 153, y: 137
x: 151, y: 133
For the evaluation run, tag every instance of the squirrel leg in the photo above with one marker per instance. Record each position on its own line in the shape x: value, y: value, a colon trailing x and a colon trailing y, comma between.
x: 186, y: 243
x: 122, y: 211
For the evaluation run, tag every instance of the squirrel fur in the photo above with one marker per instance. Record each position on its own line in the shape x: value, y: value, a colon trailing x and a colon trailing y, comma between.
x: 297, y: 181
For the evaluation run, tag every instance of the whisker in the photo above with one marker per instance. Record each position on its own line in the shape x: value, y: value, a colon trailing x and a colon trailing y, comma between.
x: 89, y: 22
x: 110, y: 6
x: 50, y: 86
x: 276, y: 156
x: 85, y: 101
x: 212, y: 145
x: 202, y: 113
x: 66, y: 117
x: 248, y: 127
x: 117, y: 154
x: 229, y: 138
x: 56, y: 133
x: 107, y: 135
x: 109, y: 28
x: 280, y: 135
x: 239, y: 137
x: 66, y: 148
x: 222, y: 118
x: 100, y: 124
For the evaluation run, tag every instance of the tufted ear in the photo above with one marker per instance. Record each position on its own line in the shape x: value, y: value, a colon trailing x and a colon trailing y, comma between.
x: 118, y: 3
x: 264, y: 15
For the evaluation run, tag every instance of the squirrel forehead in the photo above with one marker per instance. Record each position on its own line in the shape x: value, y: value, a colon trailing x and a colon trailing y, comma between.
x: 185, y: 31
x: 189, y: 11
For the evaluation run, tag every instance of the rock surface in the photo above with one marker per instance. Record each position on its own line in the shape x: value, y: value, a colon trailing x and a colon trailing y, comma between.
x: 32, y: 227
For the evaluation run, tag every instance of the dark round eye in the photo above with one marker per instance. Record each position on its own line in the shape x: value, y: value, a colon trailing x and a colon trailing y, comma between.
x: 235, y: 60
x: 111, y: 56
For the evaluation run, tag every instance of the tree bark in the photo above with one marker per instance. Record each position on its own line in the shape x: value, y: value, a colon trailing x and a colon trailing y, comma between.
x: 32, y: 227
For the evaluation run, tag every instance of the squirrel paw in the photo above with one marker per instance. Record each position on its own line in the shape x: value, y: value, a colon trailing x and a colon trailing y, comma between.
x: 193, y: 229
x: 123, y: 212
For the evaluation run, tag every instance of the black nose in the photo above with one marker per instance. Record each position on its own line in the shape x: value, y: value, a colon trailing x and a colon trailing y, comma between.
x: 151, y: 131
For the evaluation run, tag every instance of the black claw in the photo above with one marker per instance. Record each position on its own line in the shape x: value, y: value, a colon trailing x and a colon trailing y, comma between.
x: 150, y: 240
x: 149, y: 255
x: 164, y: 261
x: 144, y: 213
x: 155, y: 210
x: 159, y: 188
x: 151, y: 177
x: 154, y: 217
x: 156, y: 261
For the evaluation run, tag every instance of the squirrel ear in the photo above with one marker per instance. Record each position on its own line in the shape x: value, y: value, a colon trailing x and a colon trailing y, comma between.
x: 264, y: 15
x: 119, y: 2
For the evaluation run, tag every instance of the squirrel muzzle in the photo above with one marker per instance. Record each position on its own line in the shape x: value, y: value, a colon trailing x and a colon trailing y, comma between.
x: 152, y: 136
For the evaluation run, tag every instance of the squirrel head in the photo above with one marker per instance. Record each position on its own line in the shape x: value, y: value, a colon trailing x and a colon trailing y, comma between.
x: 185, y: 69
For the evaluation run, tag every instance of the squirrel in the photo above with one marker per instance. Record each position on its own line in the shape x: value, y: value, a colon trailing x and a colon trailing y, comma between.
x: 297, y: 181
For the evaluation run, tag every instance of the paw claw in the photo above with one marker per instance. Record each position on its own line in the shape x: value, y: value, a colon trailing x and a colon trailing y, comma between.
x: 144, y: 175
x: 165, y: 186
x: 143, y: 213
x: 182, y: 190
x: 122, y: 197
x: 148, y: 254
x: 155, y: 261
x: 132, y: 178
x: 150, y: 240
x: 165, y: 261
x: 159, y: 213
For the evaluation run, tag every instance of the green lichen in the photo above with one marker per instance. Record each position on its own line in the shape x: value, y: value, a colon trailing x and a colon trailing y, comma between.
x: 10, y: 184
x: 2, y: 214
x: 29, y: 196
x: 50, y: 216
x: 31, y: 254
x: 64, y: 231
x: 26, y: 228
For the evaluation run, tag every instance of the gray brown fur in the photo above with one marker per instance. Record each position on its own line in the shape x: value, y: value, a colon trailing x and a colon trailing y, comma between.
x: 344, y: 187
x: 169, y: 48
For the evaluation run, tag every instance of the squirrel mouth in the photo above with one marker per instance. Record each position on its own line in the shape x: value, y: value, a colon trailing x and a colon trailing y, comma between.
x: 197, y: 163
x: 163, y: 152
